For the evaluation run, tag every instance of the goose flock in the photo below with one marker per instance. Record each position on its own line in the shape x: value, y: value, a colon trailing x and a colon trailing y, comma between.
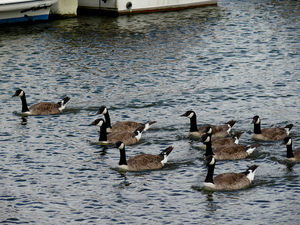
x: 217, y: 143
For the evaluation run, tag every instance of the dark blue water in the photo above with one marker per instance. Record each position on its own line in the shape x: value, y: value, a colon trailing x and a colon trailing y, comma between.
x: 232, y: 61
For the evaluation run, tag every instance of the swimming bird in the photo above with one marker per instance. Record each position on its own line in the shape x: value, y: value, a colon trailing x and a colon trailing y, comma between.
x: 217, y: 142
x: 128, y: 138
x: 142, y: 161
x: 269, y: 134
x: 122, y: 125
x: 227, y: 181
x: 218, y: 130
x: 227, y: 152
x: 289, y: 150
x: 42, y: 108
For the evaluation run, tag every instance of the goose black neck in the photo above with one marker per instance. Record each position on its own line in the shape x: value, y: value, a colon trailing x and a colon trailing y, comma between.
x: 24, y: 103
x: 208, y: 149
x: 193, y: 124
x: 289, y: 151
x: 122, y: 157
x: 257, y: 129
x: 210, y: 174
x: 103, y: 133
x: 107, y: 120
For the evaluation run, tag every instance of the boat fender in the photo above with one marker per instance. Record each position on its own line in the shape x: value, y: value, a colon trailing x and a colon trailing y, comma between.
x: 129, y: 5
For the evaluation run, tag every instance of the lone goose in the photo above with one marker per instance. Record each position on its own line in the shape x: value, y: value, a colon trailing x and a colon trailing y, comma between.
x: 218, y: 142
x: 128, y: 138
x: 269, y: 134
x: 42, y: 108
x: 227, y: 152
x: 143, y: 161
x: 289, y: 150
x: 123, y: 125
x: 218, y: 130
x: 227, y: 181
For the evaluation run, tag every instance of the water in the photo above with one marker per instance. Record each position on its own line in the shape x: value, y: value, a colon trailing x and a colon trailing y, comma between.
x: 232, y: 61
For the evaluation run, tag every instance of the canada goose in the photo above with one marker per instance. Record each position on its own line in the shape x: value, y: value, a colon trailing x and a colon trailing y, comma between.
x: 42, y: 108
x: 227, y: 181
x: 128, y: 138
x: 143, y: 161
x: 269, y: 134
x: 218, y: 130
x: 217, y: 142
x: 289, y: 150
x: 123, y: 125
x: 227, y: 152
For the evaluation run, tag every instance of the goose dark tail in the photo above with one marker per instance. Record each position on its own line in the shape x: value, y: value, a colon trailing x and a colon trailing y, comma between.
x: 231, y: 122
x: 252, y: 168
x: 148, y: 125
x: 65, y: 100
x: 289, y: 126
x: 62, y: 104
x: 167, y: 151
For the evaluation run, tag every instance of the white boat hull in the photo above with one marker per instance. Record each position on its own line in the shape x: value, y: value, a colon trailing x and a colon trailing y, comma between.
x: 141, y: 6
x: 14, y: 11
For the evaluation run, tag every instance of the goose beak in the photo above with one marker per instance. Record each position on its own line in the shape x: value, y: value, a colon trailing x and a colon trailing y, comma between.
x: 92, y: 124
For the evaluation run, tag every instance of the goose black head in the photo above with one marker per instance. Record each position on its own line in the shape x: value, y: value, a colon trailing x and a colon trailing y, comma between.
x: 97, y: 122
x: 19, y: 93
x: 189, y: 114
x: 120, y: 145
x: 256, y: 120
x: 102, y: 110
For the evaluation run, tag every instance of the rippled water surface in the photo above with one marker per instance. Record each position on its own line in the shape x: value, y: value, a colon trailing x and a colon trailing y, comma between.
x: 231, y: 61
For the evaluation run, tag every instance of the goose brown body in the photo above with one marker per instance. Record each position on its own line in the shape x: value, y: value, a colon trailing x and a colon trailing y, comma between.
x: 218, y: 130
x: 218, y: 142
x: 41, y: 108
x: 130, y: 126
x: 232, y: 152
x: 269, y: 134
x: 143, y: 161
x: 227, y: 152
x: 231, y: 181
x: 227, y: 181
x: 128, y: 138
x: 127, y: 126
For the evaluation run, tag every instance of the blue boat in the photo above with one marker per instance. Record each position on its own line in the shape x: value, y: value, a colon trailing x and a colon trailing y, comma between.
x: 17, y: 11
